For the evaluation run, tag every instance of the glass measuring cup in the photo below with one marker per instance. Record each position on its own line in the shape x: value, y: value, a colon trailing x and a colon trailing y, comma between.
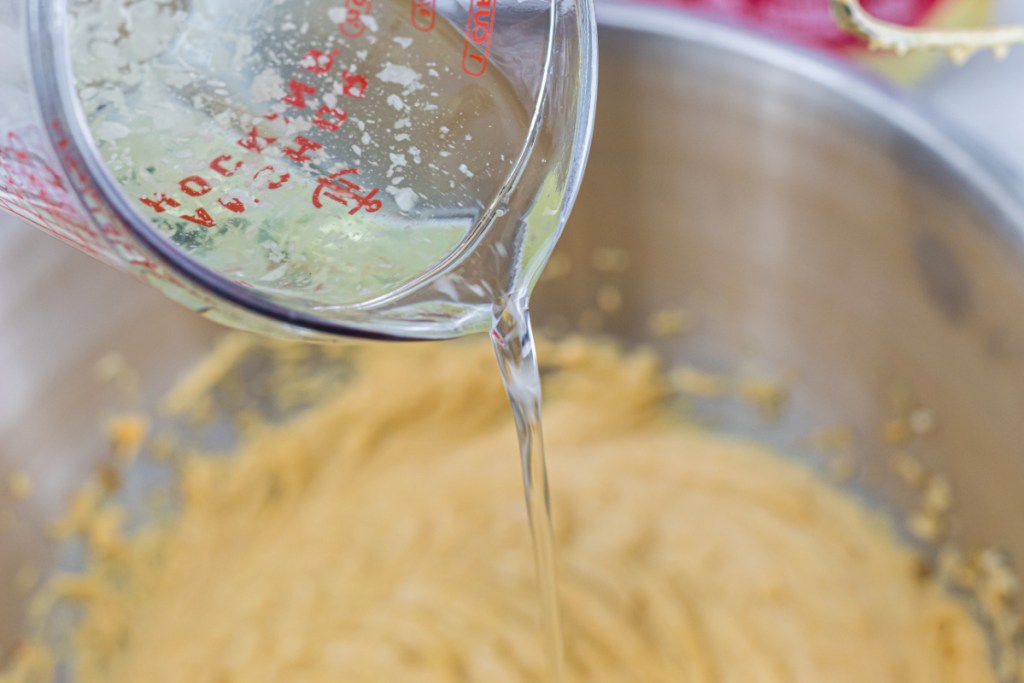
x: 959, y: 43
x: 369, y: 168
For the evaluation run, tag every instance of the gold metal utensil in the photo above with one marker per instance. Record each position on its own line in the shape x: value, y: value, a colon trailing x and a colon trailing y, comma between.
x: 959, y: 43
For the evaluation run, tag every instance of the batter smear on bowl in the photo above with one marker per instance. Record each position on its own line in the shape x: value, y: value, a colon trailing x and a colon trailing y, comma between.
x: 381, y: 536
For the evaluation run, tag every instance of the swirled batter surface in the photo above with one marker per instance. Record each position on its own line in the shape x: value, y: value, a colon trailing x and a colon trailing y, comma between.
x: 382, y: 537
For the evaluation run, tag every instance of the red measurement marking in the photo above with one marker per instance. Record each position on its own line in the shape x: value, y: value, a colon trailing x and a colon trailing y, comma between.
x: 301, y: 152
x: 16, y: 148
x: 266, y: 177
x: 299, y: 148
x: 318, y: 62
x: 277, y: 182
x: 254, y: 141
x: 355, y: 10
x: 329, y: 119
x: 353, y: 26
x: 27, y: 176
x: 70, y: 164
x: 479, y: 28
x: 194, y: 186
x: 345, y: 192
x: 362, y: 7
x: 353, y: 85
x: 297, y: 96
x: 274, y: 116
x: 217, y: 165
x: 234, y: 205
x: 160, y: 202
x: 59, y: 215
x: 202, y: 217
x: 423, y: 14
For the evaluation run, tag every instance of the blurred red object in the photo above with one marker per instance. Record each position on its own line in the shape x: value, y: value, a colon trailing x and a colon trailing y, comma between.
x: 808, y: 22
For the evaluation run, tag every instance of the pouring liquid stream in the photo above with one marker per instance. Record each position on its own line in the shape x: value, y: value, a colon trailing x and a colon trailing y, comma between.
x: 512, y: 337
x: 332, y: 167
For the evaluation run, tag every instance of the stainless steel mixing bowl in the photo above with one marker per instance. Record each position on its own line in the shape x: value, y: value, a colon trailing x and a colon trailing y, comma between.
x: 815, y: 228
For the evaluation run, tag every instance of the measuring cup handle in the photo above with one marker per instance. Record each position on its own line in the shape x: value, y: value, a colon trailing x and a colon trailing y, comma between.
x: 851, y: 16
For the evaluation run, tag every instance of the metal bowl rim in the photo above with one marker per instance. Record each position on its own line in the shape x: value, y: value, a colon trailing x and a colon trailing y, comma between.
x: 988, y: 179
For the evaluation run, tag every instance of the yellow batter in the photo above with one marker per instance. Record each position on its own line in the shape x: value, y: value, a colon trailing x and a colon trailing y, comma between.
x: 382, y: 538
